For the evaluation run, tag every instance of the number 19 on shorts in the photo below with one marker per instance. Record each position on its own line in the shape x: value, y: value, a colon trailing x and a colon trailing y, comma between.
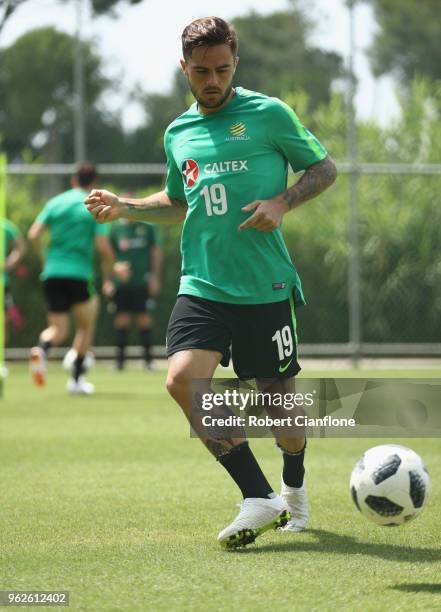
x: 215, y: 197
x: 285, y: 345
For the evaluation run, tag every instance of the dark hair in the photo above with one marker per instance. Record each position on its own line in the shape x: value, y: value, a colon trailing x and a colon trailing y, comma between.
x: 208, y: 32
x: 85, y: 173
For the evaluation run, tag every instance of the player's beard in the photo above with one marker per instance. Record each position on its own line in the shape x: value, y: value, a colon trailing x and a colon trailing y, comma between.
x: 204, y: 104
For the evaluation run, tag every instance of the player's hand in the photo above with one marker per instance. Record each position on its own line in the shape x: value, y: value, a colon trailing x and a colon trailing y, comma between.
x: 104, y: 205
x: 122, y: 271
x: 267, y: 215
x: 108, y: 289
x: 154, y: 286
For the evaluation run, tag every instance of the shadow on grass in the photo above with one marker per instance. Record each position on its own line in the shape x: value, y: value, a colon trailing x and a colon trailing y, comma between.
x: 328, y: 542
x: 423, y: 587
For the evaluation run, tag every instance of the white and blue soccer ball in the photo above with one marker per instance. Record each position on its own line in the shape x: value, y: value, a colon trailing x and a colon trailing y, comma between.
x: 390, y: 485
x: 71, y: 355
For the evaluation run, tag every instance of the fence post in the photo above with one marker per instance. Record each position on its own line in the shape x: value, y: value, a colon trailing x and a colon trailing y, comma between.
x: 79, y: 86
x: 355, y: 331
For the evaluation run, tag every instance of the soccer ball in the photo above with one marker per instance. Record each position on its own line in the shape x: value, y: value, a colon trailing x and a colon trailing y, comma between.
x: 390, y: 485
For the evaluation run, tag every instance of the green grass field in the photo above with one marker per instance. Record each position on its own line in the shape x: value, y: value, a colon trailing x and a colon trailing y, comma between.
x: 109, y: 498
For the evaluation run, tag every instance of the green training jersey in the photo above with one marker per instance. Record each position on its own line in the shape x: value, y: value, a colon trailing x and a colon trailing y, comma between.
x: 11, y: 233
x: 132, y: 242
x: 71, y: 248
x: 219, y: 163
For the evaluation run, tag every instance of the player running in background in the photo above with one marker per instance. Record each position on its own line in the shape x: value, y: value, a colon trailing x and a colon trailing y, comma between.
x: 227, y: 160
x: 68, y: 275
x: 15, y: 248
x: 136, y: 283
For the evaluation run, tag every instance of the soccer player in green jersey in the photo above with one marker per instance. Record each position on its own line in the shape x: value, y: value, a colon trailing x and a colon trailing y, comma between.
x: 68, y: 275
x: 136, y: 282
x: 15, y: 248
x: 227, y: 160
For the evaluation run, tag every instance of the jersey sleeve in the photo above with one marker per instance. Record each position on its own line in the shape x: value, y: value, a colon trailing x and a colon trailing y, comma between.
x: 11, y: 231
x: 174, y: 186
x: 44, y: 215
x: 287, y: 134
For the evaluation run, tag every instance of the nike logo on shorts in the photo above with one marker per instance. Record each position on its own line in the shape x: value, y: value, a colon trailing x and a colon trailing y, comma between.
x: 285, y: 367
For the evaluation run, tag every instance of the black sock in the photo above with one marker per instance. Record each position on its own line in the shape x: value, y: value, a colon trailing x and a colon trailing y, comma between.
x: 293, y: 470
x: 243, y: 468
x: 45, y: 346
x: 121, y: 343
x: 78, y: 367
x: 145, y: 336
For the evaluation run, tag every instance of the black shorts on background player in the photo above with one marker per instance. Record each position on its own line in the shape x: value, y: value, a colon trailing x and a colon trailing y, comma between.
x: 256, y: 333
x: 62, y: 293
x: 132, y: 299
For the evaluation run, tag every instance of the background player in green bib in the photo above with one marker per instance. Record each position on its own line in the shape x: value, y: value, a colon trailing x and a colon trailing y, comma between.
x: 68, y: 275
x: 136, y: 282
x: 227, y: 160
x: 15, y: 248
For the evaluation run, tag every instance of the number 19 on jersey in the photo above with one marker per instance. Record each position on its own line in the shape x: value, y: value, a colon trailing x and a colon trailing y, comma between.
x: 215, y: 197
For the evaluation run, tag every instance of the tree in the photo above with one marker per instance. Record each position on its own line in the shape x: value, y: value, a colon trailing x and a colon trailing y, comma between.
x: 275, y: 56
x: 409, y: 38
x: 99, y: 7
x: 7, y: 7
x: 37, y: 92
x: 146, y: 142
x: 400, y: 240
x: 106, y: 6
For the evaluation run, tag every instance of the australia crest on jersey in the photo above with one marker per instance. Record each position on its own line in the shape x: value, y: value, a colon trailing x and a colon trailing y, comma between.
x: 238, y: 131
x: 190, y: 172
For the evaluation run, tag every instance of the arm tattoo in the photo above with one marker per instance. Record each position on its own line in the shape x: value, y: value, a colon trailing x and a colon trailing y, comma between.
x: 154, y: 205
x: 155, y: 211
x: 316, y: 179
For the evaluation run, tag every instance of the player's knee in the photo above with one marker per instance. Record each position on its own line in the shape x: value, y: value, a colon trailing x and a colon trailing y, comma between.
x: 61, y: 336
x: 84, y: 325
x: 178, y: 383
x: 122, y: 320
x: 60, y: 333
x: 144, y: 321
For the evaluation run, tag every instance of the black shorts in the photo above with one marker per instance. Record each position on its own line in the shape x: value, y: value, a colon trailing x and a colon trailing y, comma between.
x: 132, y: 299
x: 62, y: 293
x: 262, y: 337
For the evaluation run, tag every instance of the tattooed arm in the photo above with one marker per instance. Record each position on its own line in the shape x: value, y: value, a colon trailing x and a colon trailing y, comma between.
x: 316, y: 179
x: 268, y: 214
x: 157, y: 208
